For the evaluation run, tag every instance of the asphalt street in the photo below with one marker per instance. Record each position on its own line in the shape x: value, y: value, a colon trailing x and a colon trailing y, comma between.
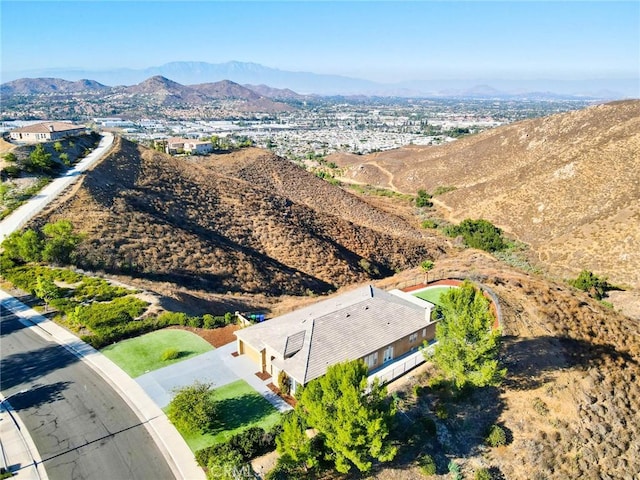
x: 80, y: 425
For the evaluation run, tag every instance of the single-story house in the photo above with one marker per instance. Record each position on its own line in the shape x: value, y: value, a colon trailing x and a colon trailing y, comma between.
x: 185, y: 145
x: 367, y: 323
x: 46, y: 132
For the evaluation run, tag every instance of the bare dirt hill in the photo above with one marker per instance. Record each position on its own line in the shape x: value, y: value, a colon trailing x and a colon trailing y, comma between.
x: 568, y: 184
x: 248, y: 222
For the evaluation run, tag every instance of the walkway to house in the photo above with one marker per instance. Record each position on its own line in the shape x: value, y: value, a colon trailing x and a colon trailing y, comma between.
x: 218, y: 367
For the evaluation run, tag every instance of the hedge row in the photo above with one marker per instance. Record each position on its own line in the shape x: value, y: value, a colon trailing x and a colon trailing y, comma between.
x: 249, y: 444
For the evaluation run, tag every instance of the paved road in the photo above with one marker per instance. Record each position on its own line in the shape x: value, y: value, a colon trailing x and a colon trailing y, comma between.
x: 80, y: 425
x: 26, y: 212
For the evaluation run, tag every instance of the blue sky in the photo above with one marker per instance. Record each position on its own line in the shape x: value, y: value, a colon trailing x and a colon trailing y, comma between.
x: 383, y: 41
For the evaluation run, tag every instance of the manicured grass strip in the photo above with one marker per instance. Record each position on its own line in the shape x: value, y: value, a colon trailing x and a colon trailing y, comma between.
x: 139, y: 355
x: 432, y: 294
x: 239, y: 407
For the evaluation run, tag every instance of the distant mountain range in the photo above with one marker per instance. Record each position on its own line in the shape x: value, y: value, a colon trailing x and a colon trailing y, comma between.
x: 157, y: 94
x: 189, y: 73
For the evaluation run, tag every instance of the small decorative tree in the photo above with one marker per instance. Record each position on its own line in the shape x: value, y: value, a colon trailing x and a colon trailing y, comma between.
x: 284, y: 382
x: 426, y: 266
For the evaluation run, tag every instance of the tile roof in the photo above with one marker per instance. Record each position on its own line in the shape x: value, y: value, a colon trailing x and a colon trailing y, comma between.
x: 44, y: 127
x: 341, y: 328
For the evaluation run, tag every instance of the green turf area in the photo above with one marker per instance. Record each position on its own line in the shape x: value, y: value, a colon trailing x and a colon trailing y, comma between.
x: 239, y: 407
x: 141, y: 354
x: 432, y: 294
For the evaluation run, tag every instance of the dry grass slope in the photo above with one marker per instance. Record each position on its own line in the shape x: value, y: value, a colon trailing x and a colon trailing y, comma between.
x: 246, y: 222
x: 572, y: 393
x: 567, y: 184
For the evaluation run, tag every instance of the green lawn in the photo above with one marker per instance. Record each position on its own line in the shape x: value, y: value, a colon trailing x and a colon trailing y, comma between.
x: 432, y: 294
x: 239, y: 407
x: 142, y: 354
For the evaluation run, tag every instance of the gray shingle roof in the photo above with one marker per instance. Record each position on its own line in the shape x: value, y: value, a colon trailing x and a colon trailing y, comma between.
x: 341, y: 328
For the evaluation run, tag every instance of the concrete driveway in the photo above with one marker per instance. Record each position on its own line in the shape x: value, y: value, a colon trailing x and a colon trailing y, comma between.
x: 218, y: 367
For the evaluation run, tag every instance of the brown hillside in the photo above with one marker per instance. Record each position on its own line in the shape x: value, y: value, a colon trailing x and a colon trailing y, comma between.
x: 245, y: 222
x: 568, y: 184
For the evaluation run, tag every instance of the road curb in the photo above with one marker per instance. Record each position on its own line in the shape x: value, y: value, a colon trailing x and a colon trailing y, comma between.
x: 171, y: 444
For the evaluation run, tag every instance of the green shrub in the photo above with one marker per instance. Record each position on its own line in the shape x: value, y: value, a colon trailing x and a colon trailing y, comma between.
x: 227, y: 465
x: 170, y: 354
x: 249, y: 444
x: 423, y: 199
x: 441, y: 411
x: 483, y: 474
x: 596, y: 287
x: 429, y: 224
x: 192, y: 408
x: 497, y: 436
x: 540, y: 406
x: 10, y: 157
x: 417, y: 390
x: 173, y: 318
x: 195, y: 322
x: 209, y: 321
x: 454, y: 470
x: 427, y: 465
x: 479, y: 234
x: 253, y: 442
x: 11, y: 171
x: 98, y: 316
x: 284, y: 382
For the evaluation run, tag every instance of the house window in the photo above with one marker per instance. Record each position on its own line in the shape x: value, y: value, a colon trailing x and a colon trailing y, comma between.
x: 371, y: 360
x: 388, y: 354
x: 413, y: 337
x: 424, y: 332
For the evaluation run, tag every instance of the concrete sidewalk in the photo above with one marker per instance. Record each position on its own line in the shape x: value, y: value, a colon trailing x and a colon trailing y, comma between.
x: 173, y: 447
x: 18, y: 454
x: 33, y: 206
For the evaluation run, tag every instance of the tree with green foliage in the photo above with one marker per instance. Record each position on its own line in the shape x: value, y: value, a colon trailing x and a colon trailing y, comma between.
x: 480, y: 234
x: 351, y: 417
x: 192, y: 408
x: 60, y: 241
x: 39, y: 160
x: 64, y: 158
x: 596, y: 287
x: 294, y: 444
x: 426, y: 266
x: 58, y: 147
x: 23, y: 246
x: 467, y: 344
